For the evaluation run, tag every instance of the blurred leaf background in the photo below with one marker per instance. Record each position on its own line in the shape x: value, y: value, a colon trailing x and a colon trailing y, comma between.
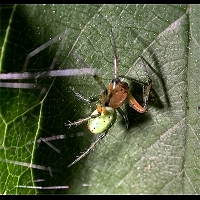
x: 158, y: 154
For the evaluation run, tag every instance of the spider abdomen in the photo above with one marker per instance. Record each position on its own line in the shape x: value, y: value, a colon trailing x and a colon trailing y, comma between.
x: 103, y: 122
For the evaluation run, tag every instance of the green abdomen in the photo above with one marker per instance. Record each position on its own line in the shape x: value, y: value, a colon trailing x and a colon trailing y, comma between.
x: 103, y: 122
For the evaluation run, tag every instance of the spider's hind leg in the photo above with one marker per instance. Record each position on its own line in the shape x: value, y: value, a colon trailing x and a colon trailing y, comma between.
x: 146, y: 87
x: 146, y: 91
x: 92, y: 146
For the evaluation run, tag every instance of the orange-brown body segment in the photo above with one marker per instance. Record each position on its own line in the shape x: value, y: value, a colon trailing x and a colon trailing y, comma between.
x: 117, y: 95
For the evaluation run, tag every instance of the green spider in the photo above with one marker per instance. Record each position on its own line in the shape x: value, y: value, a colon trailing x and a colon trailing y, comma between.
x: 111, y: 99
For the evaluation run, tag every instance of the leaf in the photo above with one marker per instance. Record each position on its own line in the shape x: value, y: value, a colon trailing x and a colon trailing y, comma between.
x: 158, y: 154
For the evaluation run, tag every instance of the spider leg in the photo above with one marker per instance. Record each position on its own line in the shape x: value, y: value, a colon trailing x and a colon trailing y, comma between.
x: 81, y: 97
x: 46, y: 141
x: 90, y: 100
x: 147, y: 87
x: 80, y: 121
x: 100, y: 82
x: 29, y: 165
x: 93, y: 145
x: 133, y: 102
x: 143, y: 61
x: 122, y: 113
x: 146, y: 91
x: 62, y: 36
x: 116, y: 61
x: 96, y: 77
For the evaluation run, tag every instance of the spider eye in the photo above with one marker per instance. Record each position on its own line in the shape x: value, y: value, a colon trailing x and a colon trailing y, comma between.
x: 116, y: 80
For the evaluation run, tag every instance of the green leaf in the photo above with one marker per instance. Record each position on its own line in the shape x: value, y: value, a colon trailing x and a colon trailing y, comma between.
x: 158, y: 154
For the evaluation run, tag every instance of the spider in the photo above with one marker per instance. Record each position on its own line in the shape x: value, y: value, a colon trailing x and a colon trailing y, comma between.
x: 111, y: 99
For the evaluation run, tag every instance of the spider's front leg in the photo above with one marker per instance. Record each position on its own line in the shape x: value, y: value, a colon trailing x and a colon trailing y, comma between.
x: 99, y: 110
x: 81, y: 97
x: 87, y: 100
